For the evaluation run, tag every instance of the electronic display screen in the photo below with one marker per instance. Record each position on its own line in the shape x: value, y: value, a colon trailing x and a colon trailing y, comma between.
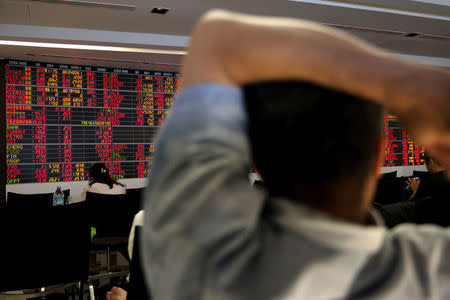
x: 62, y: 118
x: 399, y: 148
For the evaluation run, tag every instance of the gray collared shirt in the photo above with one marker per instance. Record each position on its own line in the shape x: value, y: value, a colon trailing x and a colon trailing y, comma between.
x: 208, y: 235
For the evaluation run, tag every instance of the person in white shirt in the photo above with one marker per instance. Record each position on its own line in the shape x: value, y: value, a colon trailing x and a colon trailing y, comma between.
x: 101, y: 182
x: 137, y: 221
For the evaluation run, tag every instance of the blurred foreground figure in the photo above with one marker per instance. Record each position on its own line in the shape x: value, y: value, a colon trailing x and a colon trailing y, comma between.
x: 303, y: 102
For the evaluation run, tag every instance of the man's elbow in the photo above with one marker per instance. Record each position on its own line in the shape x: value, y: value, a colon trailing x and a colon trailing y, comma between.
x: 216, y: 15
x: 213, y: 25
x: 210, y: 48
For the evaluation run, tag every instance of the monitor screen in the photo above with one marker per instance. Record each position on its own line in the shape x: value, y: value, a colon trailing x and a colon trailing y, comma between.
x: 62, y: 118
x: 399, y: 148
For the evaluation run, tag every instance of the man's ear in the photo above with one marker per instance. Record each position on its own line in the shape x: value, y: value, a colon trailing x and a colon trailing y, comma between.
x: 379, y: 156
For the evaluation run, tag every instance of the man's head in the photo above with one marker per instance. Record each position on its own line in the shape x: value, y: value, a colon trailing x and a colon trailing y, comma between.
x: 312, y: 140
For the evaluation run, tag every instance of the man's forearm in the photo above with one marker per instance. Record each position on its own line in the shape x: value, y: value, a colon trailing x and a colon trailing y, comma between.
x: 236, y: 49
x: 243, y: 49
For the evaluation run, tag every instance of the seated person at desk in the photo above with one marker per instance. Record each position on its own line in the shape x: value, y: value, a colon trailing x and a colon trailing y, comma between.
x: 432, y: 183
x: 429, y: 201
x: 420, y: 189
x: 101, y: 182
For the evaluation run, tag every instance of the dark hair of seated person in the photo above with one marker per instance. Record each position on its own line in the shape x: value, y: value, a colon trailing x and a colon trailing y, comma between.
x: 320, y: 140
x: 98, y: 173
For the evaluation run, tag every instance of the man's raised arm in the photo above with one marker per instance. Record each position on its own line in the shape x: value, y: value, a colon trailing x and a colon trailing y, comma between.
x: 236, y: 49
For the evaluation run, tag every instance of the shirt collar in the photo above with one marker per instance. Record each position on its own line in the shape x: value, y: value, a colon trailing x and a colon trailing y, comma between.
x: 329, y: 230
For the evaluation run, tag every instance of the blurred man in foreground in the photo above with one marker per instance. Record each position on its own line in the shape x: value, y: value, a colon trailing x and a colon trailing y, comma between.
x: 210, y: 236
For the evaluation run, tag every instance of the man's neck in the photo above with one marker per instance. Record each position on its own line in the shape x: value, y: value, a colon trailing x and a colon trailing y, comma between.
x: 342, y: 203
x: 344, y: 211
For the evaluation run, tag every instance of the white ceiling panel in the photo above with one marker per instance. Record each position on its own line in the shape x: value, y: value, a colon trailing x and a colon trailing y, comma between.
x: 50, y: 22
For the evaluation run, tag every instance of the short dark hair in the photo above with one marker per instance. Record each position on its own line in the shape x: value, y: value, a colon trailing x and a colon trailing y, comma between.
x: 302, y: 132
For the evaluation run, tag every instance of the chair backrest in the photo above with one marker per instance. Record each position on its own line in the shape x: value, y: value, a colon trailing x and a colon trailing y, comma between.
x: 137, y: 288
x: 134, y: 201
x: 32, y: 201
x: 134, y: 198
x: 43, y: 247
x: 109, y: 214
x: 390, y: 191
x: 421, y: 174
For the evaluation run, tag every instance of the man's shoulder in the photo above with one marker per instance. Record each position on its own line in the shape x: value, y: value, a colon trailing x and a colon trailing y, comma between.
x: 413, y: 259
x: 410, y: 231
x: 420, y: 240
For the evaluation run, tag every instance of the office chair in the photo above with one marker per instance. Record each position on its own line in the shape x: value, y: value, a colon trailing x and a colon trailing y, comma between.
x: 134, y: 199
x: 112, y: 217
x: 389, y: 176
x: 43, y: 247
x: 421, y: 174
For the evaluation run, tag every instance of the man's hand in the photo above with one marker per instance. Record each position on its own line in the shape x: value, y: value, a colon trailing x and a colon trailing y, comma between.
x: 414, y: 185
x: 116, y: 293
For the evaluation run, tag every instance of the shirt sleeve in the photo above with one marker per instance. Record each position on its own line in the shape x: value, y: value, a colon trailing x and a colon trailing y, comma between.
x: 202, y: 208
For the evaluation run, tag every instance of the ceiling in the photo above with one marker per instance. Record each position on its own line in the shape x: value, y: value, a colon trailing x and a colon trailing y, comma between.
x: 386, y: 23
